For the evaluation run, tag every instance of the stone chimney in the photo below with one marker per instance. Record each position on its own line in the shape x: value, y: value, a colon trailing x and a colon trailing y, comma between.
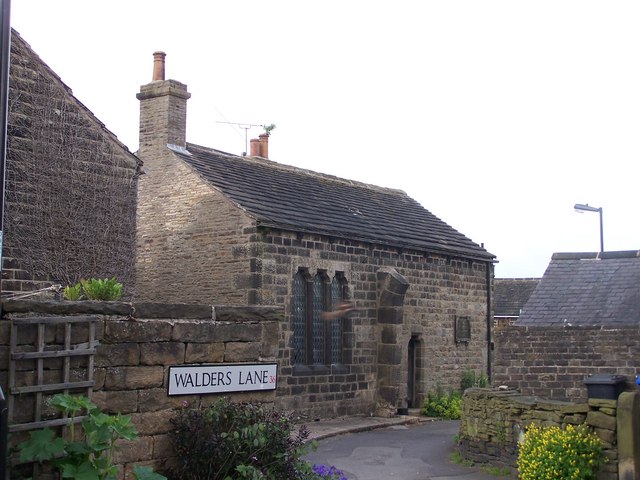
x: 163, y: 110
x: 260, y: 146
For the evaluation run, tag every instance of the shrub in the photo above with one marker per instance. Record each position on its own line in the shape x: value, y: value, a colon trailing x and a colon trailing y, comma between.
x: 571, y: 453
x: 102, y: 289
x: 73, y: 292
x: 472, y: 379
x: 107, y: 289
x: 238, y: 441
x: 443, y: 405
x: 85, y: 454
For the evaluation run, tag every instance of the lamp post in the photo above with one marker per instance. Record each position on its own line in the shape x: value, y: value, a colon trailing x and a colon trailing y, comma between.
x: 579, y: 207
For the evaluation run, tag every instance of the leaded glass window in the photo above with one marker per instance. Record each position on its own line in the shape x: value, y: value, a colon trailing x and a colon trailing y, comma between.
x: 337, y: 296
x: 298, y: 316
x: 317, y: 341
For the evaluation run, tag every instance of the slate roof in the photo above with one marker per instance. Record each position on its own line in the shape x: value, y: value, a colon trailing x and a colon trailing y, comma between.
x: 294, y: 199
x: 511, y: 294
x: 587, y: 289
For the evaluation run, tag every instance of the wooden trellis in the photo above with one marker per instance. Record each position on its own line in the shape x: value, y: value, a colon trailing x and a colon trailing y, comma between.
x: 52, y: 355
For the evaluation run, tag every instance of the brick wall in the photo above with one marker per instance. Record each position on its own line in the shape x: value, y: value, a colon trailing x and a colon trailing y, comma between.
x: 138, y: 342
x: 552, y: 362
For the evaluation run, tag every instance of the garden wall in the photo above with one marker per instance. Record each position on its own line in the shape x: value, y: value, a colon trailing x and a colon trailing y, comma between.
x: 553, y: 362
x: 494, y: 421
x: 137, y: 343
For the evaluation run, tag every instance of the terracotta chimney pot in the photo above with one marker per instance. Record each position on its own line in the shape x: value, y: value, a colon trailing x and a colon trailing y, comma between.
x: 158, y: 65
x: 254, y: 145
x: 264, y: 145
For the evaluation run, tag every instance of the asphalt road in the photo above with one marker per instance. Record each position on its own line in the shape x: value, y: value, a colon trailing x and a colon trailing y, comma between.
x: 408, y: 452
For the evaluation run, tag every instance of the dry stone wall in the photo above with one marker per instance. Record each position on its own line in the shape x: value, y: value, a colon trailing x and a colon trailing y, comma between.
x: 494, y: 421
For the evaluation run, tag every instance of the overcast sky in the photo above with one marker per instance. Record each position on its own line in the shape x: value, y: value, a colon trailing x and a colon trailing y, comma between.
x: 497, y: 116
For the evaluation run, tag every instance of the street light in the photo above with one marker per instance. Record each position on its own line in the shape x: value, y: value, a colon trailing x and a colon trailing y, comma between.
x: 579, y: 207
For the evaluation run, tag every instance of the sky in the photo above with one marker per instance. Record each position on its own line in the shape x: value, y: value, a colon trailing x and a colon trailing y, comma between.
x: 496, y: 116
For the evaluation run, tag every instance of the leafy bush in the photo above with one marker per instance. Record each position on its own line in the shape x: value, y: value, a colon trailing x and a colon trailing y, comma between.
x: 443, y: 405
x: 107, y: 289
x: 87, y: 454
x: 239, y: 441
x: 571, y: 453
x: 472, y: 379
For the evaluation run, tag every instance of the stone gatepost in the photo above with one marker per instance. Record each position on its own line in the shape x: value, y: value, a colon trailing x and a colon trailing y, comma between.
x: 628, y: 436
x: 391, y: 289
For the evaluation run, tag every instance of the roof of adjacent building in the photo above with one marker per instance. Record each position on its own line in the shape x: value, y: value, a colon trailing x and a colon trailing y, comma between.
x: 289, y: 198
x: 29, y: 62
x: 587, y: 289
x: 511, y: 294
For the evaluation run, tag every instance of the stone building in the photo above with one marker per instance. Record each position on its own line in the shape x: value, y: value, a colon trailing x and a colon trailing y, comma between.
x: 217, y: 228
x: 510, y: 296
x: 587, y: 289
x: 581, y: 320
x: 70, y: 200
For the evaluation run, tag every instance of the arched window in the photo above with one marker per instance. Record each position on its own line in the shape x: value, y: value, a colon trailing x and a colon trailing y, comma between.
x: 317, y: 342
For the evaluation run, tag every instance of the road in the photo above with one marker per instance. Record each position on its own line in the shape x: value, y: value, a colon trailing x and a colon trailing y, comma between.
x: 407, y: 452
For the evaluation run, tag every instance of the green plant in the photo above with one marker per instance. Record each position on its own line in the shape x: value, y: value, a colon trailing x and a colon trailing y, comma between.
x: 570, y: 453
x: 456, y: 457
x: 238, y: 441
x: 497, y: 471
x: 102, y: 289
x: 106, y: 289
x: 85, y: 454
x: 443, y: 405
x: 472, y: 379
x: 73, y: 292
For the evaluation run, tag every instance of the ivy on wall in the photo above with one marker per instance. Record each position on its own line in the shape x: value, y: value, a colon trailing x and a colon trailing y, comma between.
x: 70, y: 185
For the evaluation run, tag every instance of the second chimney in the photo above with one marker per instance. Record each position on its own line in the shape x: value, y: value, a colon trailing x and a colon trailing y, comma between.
x: 260, y: 146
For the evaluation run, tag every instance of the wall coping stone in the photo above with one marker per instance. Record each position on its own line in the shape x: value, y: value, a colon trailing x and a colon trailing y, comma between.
x: 222, y: 313
x: 66, y: 307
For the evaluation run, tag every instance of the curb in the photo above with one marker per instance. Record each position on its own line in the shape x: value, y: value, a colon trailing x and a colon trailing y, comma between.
x: 340, y: 426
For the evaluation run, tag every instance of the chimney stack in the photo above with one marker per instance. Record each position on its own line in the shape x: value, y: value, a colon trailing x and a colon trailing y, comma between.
x: 260, y: 146
x: 158, y: 66
x: 163, y: 110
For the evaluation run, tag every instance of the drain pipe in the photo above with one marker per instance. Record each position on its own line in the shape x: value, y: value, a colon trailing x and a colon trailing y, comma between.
x: 5, y: 49
x: 489, y: 323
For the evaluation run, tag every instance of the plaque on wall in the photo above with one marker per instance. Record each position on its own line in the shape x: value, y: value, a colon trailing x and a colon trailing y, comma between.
x: 462, y: 329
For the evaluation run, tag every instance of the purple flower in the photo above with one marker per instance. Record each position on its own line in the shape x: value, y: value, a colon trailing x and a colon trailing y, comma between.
x: 329, y: 473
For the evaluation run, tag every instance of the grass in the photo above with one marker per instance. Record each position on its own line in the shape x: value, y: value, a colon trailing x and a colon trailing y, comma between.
x: 456, y: 457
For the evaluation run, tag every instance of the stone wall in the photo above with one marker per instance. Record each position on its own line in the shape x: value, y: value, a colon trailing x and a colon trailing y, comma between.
x: 552, y: 362
x: 440, y: 288
x: 70, y: 205
x: 138, y: 342
x: 494, y: 421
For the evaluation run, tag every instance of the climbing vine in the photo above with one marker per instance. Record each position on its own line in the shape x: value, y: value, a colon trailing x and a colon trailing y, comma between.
x: 70, y: 185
